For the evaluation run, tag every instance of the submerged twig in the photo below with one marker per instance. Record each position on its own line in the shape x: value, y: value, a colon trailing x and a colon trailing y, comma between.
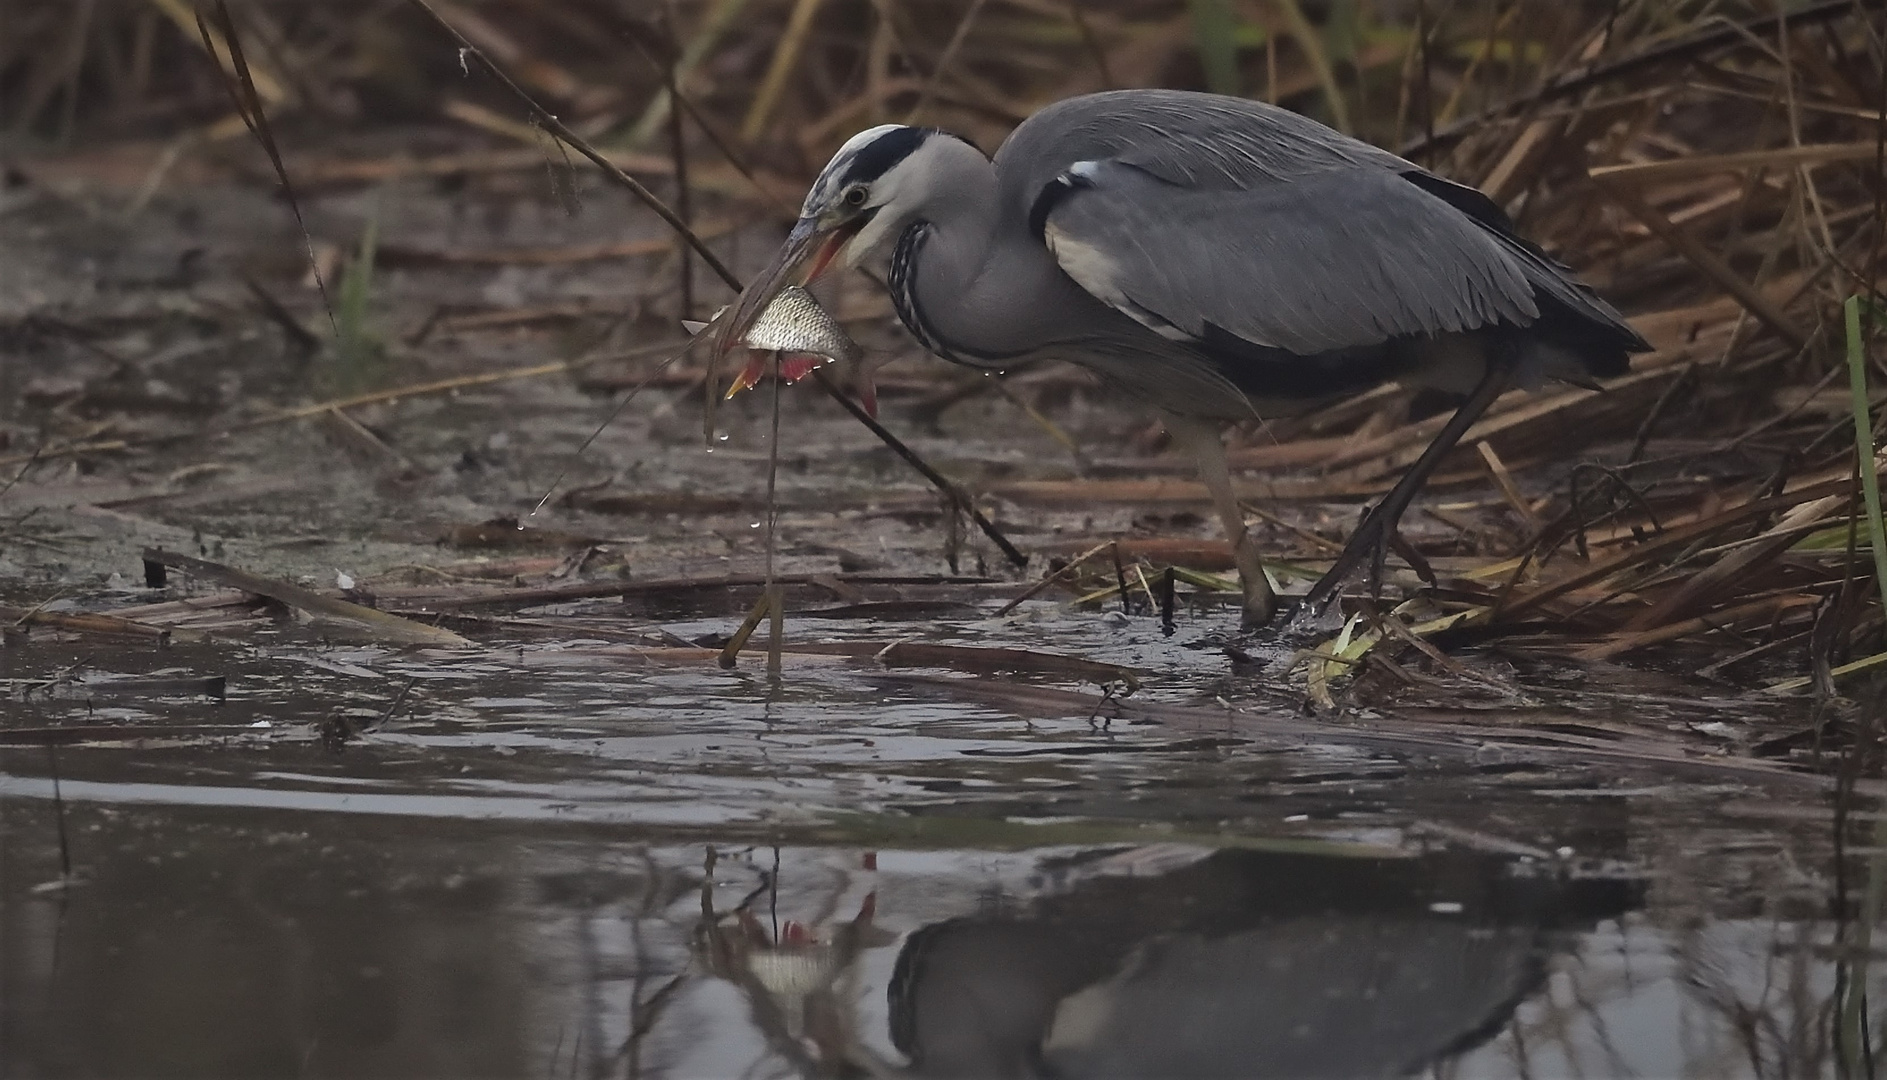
x: 393, y: 628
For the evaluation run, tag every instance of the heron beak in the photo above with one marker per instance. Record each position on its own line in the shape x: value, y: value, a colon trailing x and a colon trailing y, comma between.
x: 810, y: 242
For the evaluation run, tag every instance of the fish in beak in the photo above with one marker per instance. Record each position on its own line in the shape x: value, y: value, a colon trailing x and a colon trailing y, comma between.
x: 775, y: 314
x: 796, y: 329
x: 811, y: 246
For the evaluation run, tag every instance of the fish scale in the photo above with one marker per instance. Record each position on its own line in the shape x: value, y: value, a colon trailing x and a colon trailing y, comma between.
x: 795, y: 323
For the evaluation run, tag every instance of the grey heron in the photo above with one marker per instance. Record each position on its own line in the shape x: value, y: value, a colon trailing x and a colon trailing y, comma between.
x: 1219, y: 259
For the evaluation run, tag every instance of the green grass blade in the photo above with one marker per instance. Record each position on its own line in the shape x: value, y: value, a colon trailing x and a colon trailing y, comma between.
x: 1307, y: 37
x: 1215, y: 30
x: 356, y: 288
x: 358, y: 351
x: 1864, y: 441
x: 1343, y: 31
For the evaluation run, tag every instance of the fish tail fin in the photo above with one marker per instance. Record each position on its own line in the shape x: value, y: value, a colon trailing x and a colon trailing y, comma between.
x: 749, y: 375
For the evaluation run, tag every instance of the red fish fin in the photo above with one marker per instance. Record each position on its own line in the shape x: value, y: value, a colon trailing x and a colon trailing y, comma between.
x: 796, y: 366
x: 751, y: 374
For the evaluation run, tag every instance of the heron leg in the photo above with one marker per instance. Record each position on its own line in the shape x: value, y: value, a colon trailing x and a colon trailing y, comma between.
x: 1201, y: 439
x: 1372, y: 538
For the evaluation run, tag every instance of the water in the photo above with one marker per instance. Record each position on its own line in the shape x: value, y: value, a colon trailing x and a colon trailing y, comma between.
x: 576, y: 860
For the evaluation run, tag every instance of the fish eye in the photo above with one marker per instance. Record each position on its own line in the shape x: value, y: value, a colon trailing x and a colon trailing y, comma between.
x: 855, y: 196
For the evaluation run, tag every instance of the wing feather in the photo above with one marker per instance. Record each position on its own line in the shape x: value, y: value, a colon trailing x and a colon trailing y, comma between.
x: 1338, y: 259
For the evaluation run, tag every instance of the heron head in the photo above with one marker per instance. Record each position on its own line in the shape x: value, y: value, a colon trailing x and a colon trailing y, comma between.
x: 876, y: 184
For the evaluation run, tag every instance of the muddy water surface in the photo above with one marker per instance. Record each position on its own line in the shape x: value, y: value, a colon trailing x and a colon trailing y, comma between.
x: 538, y: 860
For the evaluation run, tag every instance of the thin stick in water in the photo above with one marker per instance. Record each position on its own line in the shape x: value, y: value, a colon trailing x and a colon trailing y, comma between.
x: 776, y: 629
x: 1120, y: 578
x: 730, y: 653
x: 776, y: 626
x: 59, y: 815
x: 1169, y: 592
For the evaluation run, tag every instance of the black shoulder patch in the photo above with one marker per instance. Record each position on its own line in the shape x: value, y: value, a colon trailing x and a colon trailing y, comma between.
x: 1049, y: 197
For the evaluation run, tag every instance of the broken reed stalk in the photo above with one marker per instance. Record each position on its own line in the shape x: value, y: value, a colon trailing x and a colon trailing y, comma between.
x: 1169, y: 594
x: 730, y: 653
x: 582, y: 146
x: 772, y: 602
x: 1851, y: 1027
x: 776, y: 630
x: 614, y: 411
x: 93, y: 623
x: 1120, y: 579
x: 1706, y: 260
x: 1050, y: 579
x: 240, y: 81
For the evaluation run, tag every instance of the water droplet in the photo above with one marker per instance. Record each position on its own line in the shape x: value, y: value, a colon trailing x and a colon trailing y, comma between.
x: 723, y: 437
x: 755, y: 525
x: 710, y: 449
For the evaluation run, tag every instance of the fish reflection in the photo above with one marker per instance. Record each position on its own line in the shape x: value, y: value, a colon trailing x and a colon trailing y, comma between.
x: 1237, y: 963
x: 798, y: 979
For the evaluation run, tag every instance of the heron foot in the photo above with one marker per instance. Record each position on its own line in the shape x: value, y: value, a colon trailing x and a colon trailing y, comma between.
x: 1366, y: 551
x: 1261, y: 603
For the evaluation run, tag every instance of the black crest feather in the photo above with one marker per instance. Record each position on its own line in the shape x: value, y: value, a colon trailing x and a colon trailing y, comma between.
x: 877, y: 157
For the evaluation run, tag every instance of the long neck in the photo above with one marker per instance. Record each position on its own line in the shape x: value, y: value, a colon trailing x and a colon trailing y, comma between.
x: 983, y: 284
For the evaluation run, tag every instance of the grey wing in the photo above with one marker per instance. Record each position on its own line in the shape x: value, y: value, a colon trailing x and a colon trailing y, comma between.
x: 1191, y: 139
x: 1338, y: 259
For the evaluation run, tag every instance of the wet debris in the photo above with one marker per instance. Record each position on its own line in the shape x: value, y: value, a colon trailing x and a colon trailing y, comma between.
x: 390, y: 628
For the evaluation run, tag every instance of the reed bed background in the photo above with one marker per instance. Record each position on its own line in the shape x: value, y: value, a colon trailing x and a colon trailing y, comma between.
x: 1714, y: 167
